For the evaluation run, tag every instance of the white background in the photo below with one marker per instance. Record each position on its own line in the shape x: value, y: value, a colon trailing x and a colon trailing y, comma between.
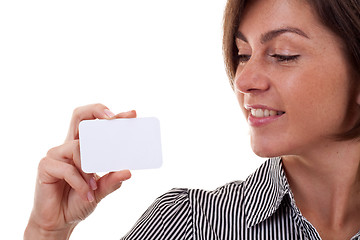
x: 161, y: 57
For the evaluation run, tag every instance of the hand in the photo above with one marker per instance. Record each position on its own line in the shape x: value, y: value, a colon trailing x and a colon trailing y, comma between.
x: 64, y: 194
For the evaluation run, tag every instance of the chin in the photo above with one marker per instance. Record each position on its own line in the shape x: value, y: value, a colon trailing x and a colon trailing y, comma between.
x: 265, y: 154
x: 265, y: 150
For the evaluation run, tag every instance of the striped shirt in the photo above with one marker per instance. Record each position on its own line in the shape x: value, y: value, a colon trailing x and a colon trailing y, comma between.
x: 261, y: 207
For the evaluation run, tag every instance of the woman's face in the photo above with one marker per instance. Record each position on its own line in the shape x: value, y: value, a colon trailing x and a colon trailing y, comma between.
x: 293, y: 79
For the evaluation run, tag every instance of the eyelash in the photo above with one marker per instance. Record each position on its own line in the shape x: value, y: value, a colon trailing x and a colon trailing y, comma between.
x: 280, y: 58
x: 243, y: 58
x: 285, y: 58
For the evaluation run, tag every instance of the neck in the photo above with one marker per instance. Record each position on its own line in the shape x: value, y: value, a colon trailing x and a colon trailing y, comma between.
x: 326, y: 184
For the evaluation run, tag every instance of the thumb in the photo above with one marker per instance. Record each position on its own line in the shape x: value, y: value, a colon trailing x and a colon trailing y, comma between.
x: 110, y: 182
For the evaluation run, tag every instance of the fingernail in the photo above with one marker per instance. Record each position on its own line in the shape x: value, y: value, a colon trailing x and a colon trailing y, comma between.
x: 93, y: 184
x: 109, y: 113
x: 90, y: 197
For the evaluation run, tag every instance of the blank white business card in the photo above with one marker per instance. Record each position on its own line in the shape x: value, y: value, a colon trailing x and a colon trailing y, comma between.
x: 113, y: 145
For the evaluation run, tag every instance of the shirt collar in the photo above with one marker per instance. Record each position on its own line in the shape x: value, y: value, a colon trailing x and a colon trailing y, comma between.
x: 264, y: 191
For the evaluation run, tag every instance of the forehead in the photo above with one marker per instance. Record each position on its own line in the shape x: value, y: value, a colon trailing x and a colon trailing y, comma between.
x: 261, y: 16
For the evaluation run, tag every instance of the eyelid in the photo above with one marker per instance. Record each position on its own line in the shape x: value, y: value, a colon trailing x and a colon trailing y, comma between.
x: 285, y: 57
x: 243, y: 58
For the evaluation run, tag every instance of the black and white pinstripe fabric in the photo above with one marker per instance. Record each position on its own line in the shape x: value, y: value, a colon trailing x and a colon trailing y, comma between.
x: 262, y: 207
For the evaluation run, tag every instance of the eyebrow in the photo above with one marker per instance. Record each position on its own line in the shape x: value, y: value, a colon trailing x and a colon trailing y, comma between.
x: 273, y: 34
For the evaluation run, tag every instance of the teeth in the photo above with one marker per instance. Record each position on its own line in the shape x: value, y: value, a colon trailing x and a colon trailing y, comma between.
x: 253, y: 112
x: 259, y: 113
x: 273, y: 113
x: 266, y: 113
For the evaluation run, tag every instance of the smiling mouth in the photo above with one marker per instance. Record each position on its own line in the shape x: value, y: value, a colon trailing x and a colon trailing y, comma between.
x: 261, y: 113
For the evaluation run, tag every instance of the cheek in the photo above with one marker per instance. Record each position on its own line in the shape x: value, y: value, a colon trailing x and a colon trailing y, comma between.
x: 317, y: 98
x: 240, y: 98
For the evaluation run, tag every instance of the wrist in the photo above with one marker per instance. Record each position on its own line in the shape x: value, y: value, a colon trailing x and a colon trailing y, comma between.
x: 34, y: 232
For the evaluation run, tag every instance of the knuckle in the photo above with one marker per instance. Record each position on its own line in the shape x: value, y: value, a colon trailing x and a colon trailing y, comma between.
x: 76, y: 111
x: 42, y: 164
x: 79, y: 111
x: 51, y: 151
x: 70, y: 171
x: 99, y: 105
x: 76, y: 114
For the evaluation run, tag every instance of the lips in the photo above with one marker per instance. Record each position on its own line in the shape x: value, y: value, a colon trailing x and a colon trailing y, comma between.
x: 261, y: 115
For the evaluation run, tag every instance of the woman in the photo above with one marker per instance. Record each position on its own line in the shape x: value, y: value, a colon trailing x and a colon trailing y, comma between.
x: 295, y: 68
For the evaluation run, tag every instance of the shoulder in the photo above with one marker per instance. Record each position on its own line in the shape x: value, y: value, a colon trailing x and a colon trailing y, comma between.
x: 268, y: 175
x: 169, y: 217
x: 178, y: 198
x: 176, y: 201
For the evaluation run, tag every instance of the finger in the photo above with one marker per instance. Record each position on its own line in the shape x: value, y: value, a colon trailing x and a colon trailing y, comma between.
x: 88, y: 112
x: 69, y: 153
x: 51, y: 171
x: 110, y: 182
x: 129, y: 114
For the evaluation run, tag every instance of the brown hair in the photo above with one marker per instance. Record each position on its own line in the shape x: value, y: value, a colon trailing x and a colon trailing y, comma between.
x: 342, y: 17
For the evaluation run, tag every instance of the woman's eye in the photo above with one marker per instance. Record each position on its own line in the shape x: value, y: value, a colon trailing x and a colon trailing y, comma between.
x: 243, y: 58
x: 285, y: 58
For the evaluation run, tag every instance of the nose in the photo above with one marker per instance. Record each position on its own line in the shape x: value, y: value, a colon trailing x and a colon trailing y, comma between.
x: 251, y: 78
